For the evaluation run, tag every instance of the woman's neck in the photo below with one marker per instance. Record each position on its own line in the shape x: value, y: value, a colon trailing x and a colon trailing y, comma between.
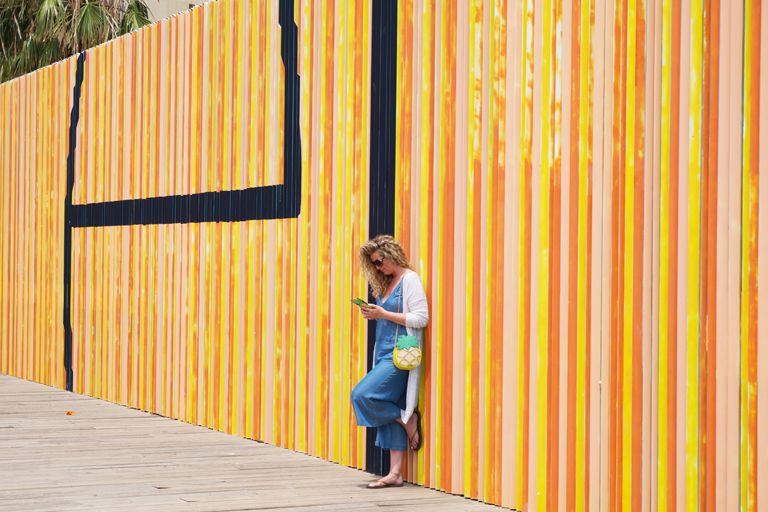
x: 397, y: 273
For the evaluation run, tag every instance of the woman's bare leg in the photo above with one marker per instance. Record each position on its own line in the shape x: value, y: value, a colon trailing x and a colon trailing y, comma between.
x: 395, y: 475
x: 410, y: 429
x: 396, y: 464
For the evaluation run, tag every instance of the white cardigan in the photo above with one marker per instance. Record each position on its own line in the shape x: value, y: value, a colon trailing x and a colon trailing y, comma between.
x: 416, y: 317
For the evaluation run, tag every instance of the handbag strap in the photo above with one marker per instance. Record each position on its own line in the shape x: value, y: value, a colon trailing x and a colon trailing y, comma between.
x: 400, y: 309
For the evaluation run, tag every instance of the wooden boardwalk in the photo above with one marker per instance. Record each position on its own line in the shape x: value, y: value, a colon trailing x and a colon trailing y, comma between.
x: 107, y: 457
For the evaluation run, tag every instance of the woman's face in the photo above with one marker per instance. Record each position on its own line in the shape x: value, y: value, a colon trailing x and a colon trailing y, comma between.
x: 382, y: 264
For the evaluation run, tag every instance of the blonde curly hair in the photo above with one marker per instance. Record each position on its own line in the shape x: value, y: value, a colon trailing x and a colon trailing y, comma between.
x: 389, y: 249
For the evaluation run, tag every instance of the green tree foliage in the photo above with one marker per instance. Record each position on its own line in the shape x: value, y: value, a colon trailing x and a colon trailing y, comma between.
x: 35, y: 33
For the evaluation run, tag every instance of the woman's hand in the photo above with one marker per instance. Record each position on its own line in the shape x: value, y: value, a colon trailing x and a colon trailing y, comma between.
x: 373, y: 312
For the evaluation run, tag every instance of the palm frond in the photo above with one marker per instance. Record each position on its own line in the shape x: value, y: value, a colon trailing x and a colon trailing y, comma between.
x: 93, y: 25
x: 48, y: 15
x: 136, y: 16
x: 35, y: 33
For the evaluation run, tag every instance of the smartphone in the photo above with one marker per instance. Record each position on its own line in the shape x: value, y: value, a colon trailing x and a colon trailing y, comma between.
x: 361, y: 303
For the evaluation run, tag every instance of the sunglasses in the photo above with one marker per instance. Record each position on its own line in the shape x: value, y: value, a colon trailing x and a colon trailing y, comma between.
x: 378, y: 263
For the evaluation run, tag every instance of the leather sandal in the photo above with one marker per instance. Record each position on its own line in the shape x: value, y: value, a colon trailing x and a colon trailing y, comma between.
x: 417, y: 433
x: 380, y: 484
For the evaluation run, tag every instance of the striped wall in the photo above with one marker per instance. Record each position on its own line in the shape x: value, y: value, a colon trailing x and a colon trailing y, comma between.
x: 243, y: 327
x: 578, y: 184
x: 581, y: 188
x: 34, y: 138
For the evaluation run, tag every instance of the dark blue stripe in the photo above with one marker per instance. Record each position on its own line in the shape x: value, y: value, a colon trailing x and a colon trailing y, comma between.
x: 74, y: 119
x: 382, y: 178
x: 257, y: 203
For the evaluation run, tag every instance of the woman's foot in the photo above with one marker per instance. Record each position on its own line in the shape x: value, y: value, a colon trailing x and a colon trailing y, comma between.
x: 391, y: 480
x: 413, y: 430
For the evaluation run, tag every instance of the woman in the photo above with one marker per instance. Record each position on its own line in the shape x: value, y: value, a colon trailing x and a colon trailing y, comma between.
x: 386, y: 397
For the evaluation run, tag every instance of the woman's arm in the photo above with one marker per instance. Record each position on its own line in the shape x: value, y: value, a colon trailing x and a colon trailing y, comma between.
x: 375, y: 312
x: 418, y: 309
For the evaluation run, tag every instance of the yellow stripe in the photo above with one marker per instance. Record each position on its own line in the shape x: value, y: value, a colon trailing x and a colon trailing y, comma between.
x: 581, y: 321
x: 250, y: 347
x: 251, y: 268
x: 348, y: 247
x: 694, y: 242
x: 304, y: 290
x: 194, y: 230
x: 365, y: 183
x: 364, y: 196
x: 746, y: 470
x: 326, y: 116
x: 543, y: 292
x: 238, y: 244
x: 474, y: 132
x: 339, y: 70
x: 629, y: 209
x: 212, y: 341
x: 4, y: 239
x: 439, y: 299
x: 489, y: 125
x: 143, y: 319
x: 425, y: 233
x: 225, y: 29
x: 526, y: 136
x: 235, y: 281
x: 37, y: 288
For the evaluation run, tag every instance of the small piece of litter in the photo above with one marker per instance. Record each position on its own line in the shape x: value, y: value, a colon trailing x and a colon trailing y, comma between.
x: 70, y: 413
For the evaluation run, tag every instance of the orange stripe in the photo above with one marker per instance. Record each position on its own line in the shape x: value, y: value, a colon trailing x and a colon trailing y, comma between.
x: 82, y: 259
x: 231, y: 278
x: 13, y: 212
x: 475, y: 276
x: 117, y: 369
x: 156, y: 336
x: 35, y: 338
x: 22, y: 261
x: 616, y: 256
x: 169, y: 334
x: 262, y: 89
x: 588, y: 313
x: 327, y: 198
x: 448, y: 193
x: 306, y: 362
x: 4, y: 145
x: 497, y: 340
x: 216, y: 176
x: 15, y: 209
x: 192, y: 58
x: 638, y: 274
x: 571, y: 478
x: 555, y: 194
x: 673, y: 257
x: 258, y: 233
x: 234, y: 280
x: 474, y: 201
x: 405, y: 90
x: 428, y: 114
x: 279, y: 343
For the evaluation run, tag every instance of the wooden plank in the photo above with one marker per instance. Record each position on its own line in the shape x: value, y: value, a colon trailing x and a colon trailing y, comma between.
x: 108, y: 457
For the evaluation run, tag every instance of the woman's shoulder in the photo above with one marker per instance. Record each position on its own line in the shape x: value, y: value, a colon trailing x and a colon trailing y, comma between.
x: 411, y: 278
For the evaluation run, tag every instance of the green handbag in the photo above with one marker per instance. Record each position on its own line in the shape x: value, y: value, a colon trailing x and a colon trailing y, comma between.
x: 407, y: 352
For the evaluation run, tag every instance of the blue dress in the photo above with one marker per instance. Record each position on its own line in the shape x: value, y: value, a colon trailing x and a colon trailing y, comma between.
x: 379, y: 397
